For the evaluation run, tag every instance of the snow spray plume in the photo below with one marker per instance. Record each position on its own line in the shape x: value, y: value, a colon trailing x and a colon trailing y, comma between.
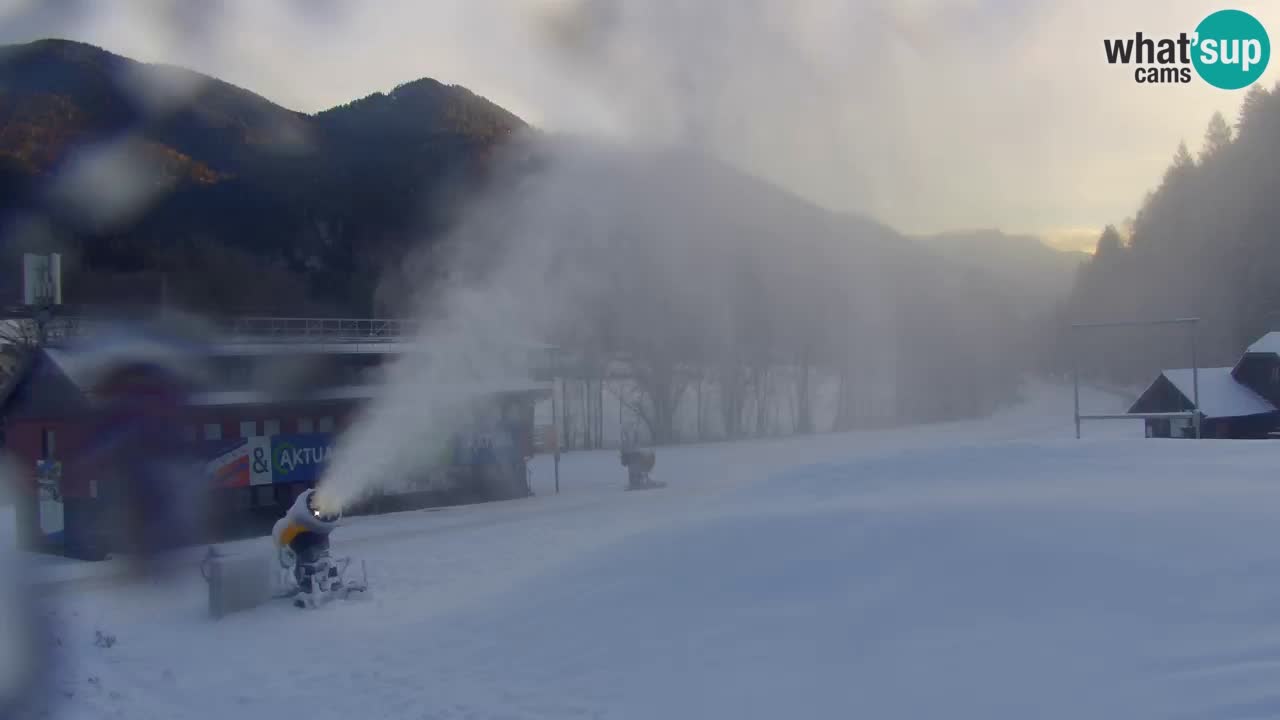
x: 479, y: 325
x: 659, y: 249
x: 605, y: 250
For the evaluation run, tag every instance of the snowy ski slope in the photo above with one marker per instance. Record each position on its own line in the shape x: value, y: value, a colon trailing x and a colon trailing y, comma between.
x: 987, y: 569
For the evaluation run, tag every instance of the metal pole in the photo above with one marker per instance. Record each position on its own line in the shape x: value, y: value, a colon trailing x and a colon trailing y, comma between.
x: 1195, y: 379
x: 1075, y: 379
x: 42, y: 318
x: 564, y: 407
x: 555, y: 434
x: 1195, y: 365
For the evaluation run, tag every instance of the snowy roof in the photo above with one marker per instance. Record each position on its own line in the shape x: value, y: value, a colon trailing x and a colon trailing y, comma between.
x: 85, y: 367
x: 1269, y: 343
x: 1220, y: 394
x: 365, y: 392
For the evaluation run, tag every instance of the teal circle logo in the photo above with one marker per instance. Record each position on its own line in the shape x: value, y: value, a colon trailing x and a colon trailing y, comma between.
x: 1231, y: 49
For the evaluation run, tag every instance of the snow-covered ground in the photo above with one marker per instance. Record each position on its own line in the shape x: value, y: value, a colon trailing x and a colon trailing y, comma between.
x: 988, y: 569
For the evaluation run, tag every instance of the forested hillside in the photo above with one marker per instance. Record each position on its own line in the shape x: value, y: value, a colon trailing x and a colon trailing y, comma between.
x: 153, y: 176
x: 1205, y: 243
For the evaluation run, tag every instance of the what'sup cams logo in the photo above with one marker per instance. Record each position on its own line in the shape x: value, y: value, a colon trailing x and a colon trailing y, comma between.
x: 1229, y: 50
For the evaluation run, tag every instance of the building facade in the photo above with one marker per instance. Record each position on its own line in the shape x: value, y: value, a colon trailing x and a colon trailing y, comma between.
x: 257, y: 429
x: 1241, y: 401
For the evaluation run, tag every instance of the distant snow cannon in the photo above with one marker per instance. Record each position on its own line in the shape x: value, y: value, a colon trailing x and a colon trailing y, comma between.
x: 639, y: 463
x: 302, y: 540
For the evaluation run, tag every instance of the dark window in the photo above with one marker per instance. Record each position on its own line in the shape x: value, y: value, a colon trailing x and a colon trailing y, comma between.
x: 48, y: 445
x: 1275, y: 375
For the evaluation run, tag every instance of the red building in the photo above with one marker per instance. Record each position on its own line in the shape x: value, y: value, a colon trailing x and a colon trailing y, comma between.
x: 260, y: 425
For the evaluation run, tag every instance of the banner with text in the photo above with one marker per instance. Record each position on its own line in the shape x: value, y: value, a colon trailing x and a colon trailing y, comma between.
x: 300, y: 458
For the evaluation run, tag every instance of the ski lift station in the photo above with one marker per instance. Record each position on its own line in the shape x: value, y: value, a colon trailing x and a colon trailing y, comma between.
x: 257, y: 449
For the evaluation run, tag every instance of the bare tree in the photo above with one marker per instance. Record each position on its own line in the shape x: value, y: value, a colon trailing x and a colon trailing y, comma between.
x: 18, y: 339
x: 730, y: 379
x: 20, y: 334
x: 660, y: 381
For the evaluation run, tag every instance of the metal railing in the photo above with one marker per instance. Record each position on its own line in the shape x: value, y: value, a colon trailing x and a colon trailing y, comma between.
x: 249, y: 330
x: 286, y: 328
x: 245, y: 329
x: 30, y: 331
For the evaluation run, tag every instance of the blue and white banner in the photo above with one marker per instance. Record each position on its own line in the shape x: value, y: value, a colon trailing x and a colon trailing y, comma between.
x: 303, y: 457
x: 241, y: 463
x: 300, y: 458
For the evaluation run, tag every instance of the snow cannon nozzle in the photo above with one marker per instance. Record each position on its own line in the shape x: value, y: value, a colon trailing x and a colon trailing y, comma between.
x: 307, y: 515
x: 319, y: 511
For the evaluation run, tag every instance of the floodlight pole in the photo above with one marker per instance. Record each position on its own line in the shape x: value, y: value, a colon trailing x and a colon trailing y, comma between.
x: 1195, y: 380
x: 42, y: 317
x: 1191, y: 322
x: 555, y: 429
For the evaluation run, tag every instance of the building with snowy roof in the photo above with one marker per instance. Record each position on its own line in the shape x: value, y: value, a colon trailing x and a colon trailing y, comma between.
x: 260, y: 413
x: 1241, y: 401
x: 1259, y: 367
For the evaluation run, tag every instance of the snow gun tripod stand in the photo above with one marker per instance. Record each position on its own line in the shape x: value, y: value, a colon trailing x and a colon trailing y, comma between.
x: 638, y: 464
x: 319, y: 578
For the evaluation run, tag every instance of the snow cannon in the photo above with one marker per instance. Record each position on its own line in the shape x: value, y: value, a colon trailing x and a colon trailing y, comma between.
x: 304, y: 517
x: 302, y: 540
x: 638, y: 464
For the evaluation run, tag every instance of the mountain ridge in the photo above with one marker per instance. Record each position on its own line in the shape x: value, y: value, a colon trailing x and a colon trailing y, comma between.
x: 218, y: 176
x: 317, y: 206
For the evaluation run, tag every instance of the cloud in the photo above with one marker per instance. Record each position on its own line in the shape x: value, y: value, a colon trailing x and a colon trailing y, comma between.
x: 927, y: 114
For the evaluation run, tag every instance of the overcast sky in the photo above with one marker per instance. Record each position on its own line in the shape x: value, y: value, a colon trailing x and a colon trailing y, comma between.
x: 929, y: 115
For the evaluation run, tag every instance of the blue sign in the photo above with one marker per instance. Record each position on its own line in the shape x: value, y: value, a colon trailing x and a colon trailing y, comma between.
x: 484, y: 445
x: 299, y: 458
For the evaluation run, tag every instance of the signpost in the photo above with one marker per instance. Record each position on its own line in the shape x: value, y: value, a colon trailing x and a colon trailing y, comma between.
x: 49, y: 482
x: 555, y: 436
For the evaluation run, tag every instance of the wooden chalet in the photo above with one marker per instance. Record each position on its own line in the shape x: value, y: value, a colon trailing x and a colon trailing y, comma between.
x: 1241, y: 401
